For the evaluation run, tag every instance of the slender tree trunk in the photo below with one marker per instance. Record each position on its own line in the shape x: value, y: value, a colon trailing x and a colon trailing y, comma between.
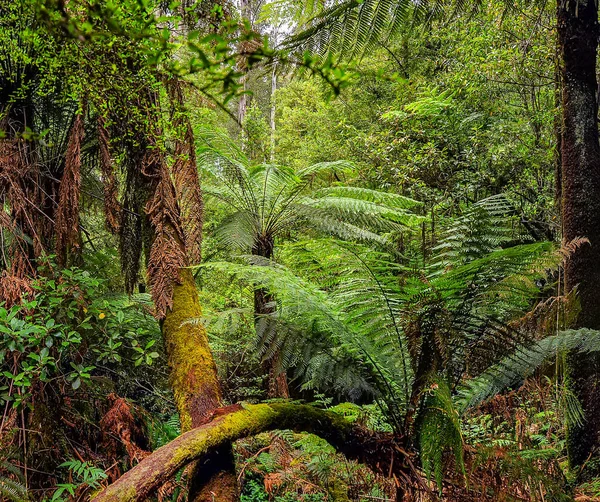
x: 263, y: 306
x: 243, y: 64
x: 273, y: 110
x: 580, y: 155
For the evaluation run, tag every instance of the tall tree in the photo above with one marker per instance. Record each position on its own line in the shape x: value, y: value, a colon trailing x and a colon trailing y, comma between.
x: 580, y: 153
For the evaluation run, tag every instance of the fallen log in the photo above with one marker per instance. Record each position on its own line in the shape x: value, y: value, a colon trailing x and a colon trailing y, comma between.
x: 376, y: 450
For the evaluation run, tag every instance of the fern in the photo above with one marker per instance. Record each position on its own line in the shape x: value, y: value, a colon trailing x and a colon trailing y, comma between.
x: 440, y: 430
x: 13, y: 489
x: 350, y: 29
x: 513, y: 369
x: 267, y: 200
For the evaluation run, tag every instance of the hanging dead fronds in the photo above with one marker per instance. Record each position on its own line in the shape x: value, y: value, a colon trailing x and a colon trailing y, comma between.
x: 68, y: 239
x: 167, y: 253
x: 112, y: 207
x: 185, y: 173
x: 119, y: 428
x: 13, y: 288
x: 21, y: 220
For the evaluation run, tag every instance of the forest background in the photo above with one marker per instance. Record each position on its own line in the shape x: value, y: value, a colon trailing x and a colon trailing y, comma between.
x: 336, y: 246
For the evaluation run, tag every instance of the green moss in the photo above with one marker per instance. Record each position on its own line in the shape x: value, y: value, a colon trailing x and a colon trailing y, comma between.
x: 249, y: 421
x: 193, y: 374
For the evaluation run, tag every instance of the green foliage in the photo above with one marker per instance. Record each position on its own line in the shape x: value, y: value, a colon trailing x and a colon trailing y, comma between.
x: 85, y: 475
x: 10, y: 488
x: 266, y: 200
x: 254, y: 492
x: 68, y: 311
x: 440, y: 431
x: 513, y: 369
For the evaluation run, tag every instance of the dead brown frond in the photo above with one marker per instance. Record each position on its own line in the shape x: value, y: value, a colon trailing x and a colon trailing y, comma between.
x: 112, y: 207
x: 68, y: 239
x: 119, y: 428
x: 13, y: 288
x: 22, y: 222
x: 185, y: 173
x: 167, y: 252
x: 569, y: 248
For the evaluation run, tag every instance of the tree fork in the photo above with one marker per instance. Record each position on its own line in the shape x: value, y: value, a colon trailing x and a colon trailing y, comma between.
x: 382, y: 452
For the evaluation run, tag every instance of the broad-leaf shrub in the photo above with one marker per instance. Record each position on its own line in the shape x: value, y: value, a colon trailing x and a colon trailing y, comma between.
x: 65, y: 330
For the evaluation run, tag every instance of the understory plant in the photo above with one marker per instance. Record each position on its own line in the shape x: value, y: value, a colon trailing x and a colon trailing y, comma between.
x: 354, y: 321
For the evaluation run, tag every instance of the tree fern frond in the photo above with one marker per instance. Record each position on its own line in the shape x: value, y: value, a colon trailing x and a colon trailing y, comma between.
x: 390, y: 200
x: 439, y: 431
x: 13, y: 490
x: 524, y: 362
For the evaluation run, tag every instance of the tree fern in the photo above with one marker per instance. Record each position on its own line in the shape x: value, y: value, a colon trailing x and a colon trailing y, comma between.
x: 267, y: 200
x: 523, y: 362
x: 350, y: 29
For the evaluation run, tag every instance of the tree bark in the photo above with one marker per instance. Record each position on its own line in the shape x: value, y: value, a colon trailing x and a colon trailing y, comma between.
x: 277, y: 385
x: 196, y: 388
x: 580, y: 156
x: 376, y: 450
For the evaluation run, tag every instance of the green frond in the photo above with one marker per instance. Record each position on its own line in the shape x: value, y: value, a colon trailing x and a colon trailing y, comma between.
x: 12, y: 490
x: 337, y: 166
x: 512, y: 370
x: 366, y: 213
x: 237, y: 232
x: 440, y: 431
x: 386, y: 199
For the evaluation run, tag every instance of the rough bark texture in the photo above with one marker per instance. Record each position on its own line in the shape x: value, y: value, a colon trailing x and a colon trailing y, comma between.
x: 376, y: 451
x: 277, y: 385
x: 580, y: 154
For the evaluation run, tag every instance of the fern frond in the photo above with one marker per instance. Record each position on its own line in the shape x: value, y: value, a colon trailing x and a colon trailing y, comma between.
x: 440, y: 430
x: 513, y: 369
x: 13, y: 490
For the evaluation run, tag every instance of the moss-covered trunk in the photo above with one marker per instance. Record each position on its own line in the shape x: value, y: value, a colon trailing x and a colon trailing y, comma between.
x: 381, y: 452
x: 580, y: 155
x: 196, y: 388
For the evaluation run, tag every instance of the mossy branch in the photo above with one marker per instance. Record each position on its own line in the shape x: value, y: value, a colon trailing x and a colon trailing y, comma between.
x: 238, y: 422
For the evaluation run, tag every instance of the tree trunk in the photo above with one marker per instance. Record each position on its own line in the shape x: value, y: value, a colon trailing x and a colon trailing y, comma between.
x: 193, y: 378
x: 273, y: 110
x: 277, y: 385
x: 580, y: 154
x: 382, y: 452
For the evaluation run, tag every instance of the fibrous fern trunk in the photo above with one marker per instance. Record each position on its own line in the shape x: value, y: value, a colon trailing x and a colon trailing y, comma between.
x: 580, y: 155
x: 264, y: 306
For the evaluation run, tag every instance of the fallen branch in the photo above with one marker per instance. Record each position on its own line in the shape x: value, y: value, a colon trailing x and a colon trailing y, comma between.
x: 238, y: 422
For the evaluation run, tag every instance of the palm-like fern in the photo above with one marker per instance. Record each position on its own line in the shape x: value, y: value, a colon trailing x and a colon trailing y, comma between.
x: 350, y: 28
x: 358, y: 322
x: 268, y: 200
x: 352, y: 320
